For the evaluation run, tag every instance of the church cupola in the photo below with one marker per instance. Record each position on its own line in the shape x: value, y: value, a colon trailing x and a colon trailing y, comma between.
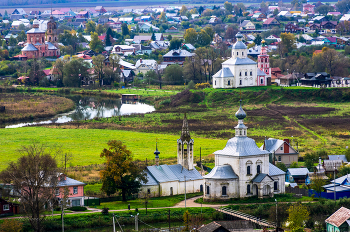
x: 36, y: 23
x: 185, y: 147
x: 241, y: 129
x: 239, y: 49
x: 156, y: 153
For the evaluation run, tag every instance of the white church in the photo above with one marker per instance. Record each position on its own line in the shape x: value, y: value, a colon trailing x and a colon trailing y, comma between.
x: 242, y: 169
x: 241, y: 71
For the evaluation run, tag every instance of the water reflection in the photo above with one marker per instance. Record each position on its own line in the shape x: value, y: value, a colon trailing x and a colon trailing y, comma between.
x: 88, y: 107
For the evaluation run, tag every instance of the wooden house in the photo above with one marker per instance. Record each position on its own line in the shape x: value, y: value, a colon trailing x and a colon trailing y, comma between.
x: 8, y: 208
x: 271, y: 22
x: 338, y: 221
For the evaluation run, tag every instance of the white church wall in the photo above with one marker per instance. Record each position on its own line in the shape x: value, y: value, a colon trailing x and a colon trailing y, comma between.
x: 192, y: 186
x: 153, y: 191
x: 165, y: 188
x: 281, y: 183
x: 215, y: 189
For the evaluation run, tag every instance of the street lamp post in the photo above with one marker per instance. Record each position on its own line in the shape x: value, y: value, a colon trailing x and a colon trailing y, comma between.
x: 276, y: 214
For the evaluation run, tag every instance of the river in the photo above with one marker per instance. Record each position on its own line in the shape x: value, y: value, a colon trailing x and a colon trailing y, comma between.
x: 89, y: 107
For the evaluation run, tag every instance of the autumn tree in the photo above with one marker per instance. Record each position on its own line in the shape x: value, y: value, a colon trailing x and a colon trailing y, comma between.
x: 162, y: 17
x: 99, y: 29
x: 34, y: 178
x: 90, y: 26
x: 287, y: 42
x: 210, y: 31
x: 121, y: 174
x: 191, y: 36
x: 264, y: 7
x: 183, y: 10
x: 10, y: 225
x: 228, y: 7
x: 203, y: 38
x: 317, y: 183
x: 239, y: 8
x: 230, y: 33
x: 35, y: 72
x: 298, y: 215
x: 96, y: 44
x: 192, y: 69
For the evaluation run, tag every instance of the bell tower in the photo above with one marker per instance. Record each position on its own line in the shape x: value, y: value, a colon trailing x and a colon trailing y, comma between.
x: 185, y: 147
x: 51, y: 32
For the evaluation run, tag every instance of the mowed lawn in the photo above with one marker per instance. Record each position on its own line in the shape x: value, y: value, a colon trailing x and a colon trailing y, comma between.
x: 87, y: 144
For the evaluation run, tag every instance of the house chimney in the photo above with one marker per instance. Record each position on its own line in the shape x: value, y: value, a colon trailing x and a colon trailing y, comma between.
x: 141, y: 60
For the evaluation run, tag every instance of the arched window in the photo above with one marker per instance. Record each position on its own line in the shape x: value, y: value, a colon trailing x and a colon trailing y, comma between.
x: 275, y: 186
x: 224, y: 193
x: 240, y: 132
x: 237, y: 53
x: 201, y: 188
x: 262, y: 81
x: 171, y: 191
x: 228, y: 82
x: 248, y: 188
x: 148, y: 191
x: 215, y: 82
x: 246, y: 73
x: 258, y: 169
x: 208, y: 190
x: 242, y: 53
x: 240, y: 73
x: 240, y: 82
x: 251, y: 73
x: 248, y: 170
x: 243, y: 132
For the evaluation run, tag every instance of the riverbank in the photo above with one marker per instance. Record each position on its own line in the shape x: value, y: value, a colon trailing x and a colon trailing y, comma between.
x: 29, y: 106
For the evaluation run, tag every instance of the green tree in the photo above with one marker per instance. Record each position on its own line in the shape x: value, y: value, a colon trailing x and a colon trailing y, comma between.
x: 12, y: 41
x: 5, y: 14
x: 203, y: 38
x: 281, y: 166
x: 90, y: 27
x: 187, y: 220
x: 258, y: 39
x: 125, y: 29
x: 239, y: 8
x: 175, y: 43
x: 22, y: 37
x: 96, y: 44
x: 317, y: 183
x: 109, y: 37
x: 192, y: 69
x: 200, y: 9
x: 98, y: 62
x: 228, y: 7
x: 324, y: 9
x: 264, y: 7
x: 35, y: 73
x: 34, y: 178
x: 209, y: 30
x: 173, y: 75
x: 191, y: 36
x: 275, y: 12
x: 343, y: 6
x: 298, y: 215
x: 169, y: 37
x: 151, y: 77
x: 121, y: 173
x: 153, y: 37
x: 67, y: 38
x: 100, y: 29
x: 162, y: 17
x: 294, y: 165
x: 74, y: 71
x: 310, y: 159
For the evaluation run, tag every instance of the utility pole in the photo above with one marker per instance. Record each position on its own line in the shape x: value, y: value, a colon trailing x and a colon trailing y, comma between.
x: 113, y: 224
x: 276, y: 215
x: 185, y: 191
x: 137, y: 222
x: 200, y: 157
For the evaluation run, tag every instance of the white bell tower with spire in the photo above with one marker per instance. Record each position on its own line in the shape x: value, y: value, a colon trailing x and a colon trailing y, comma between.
x: 185, y: 147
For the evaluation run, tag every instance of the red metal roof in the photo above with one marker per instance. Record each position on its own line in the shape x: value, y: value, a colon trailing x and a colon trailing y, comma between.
x: 339, y: 217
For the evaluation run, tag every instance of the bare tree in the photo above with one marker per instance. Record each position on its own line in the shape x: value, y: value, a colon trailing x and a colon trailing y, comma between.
x: 34, y: 178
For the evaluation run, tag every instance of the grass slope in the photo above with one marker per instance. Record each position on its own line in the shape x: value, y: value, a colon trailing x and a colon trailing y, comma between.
x: 86, y: 145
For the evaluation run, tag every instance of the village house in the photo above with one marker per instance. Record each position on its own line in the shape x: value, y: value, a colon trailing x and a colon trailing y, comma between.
x: 176, y: 56
x: 338, y: 221
x: 316, y: 79
x: 270, y: 23
x: 282, y: 150
x: 247, y: 25
x: 76, y: 190
x: 298, y: 175
x: 122, y: 49
x: 8, y: 208
x: 292, y: 28
x: 143, y: 66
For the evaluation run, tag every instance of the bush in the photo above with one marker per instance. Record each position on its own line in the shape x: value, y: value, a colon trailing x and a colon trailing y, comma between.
x: 202, y: 85
x: 191, y: 85
x: 105, y: 211
x: 10, y: 225
x: 78, y: 208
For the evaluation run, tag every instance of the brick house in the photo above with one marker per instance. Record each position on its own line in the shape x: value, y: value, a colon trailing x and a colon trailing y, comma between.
x: 76, y: 190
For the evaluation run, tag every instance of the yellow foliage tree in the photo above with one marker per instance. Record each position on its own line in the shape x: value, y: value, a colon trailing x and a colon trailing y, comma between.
x: 298, y: 215
x: 10, y: 225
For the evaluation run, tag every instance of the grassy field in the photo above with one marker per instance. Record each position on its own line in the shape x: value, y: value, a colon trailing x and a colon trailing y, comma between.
x: 154, y: 202
x: 22, y: 106
x: 86, y: 145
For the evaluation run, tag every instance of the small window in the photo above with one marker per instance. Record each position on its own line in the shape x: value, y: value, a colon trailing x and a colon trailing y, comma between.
x: 246, y: 73
x: 75, y: 190
x: 240, y: 73
x: 171, y: 191
x: 248, y: 188
x: 208, y: 190
x: 258, y: 169
x: 237, y: 53
x: 224, y: 193
x: 228, y: 82
x: 148, y: 191
x: 240, y: 82
x: 215, y: 83
x: 6, y: 207
x: 248, y: 170
x: 275, y: 186
x: 75, y: 202
x: 242, y: 53
x: 57, y: 192
x: 281, y: 148
x: 251, y: 73
x: 262, y: 81
x: 279, y: 158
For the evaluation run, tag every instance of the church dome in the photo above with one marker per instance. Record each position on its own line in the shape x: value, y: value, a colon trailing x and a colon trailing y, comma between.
x: 36, y: 22
x: 239, y: 35
x: 240, y: 114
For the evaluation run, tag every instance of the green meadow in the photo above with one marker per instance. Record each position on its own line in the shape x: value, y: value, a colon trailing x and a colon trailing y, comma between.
x: 87, y: 144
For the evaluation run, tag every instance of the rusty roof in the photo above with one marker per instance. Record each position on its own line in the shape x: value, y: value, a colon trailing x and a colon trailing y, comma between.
x: 339, y: 217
